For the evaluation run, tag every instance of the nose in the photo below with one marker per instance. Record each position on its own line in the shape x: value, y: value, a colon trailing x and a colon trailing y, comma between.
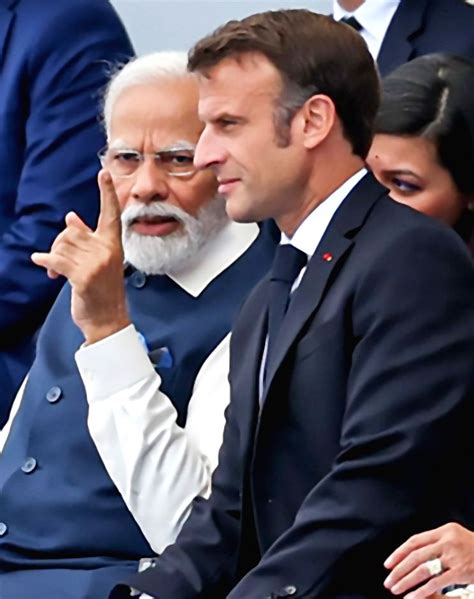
x: 208, y: 152
x: 150, y: 183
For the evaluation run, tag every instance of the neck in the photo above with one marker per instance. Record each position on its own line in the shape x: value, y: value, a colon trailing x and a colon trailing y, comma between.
x: 318, y: 188
x: 350, y: 5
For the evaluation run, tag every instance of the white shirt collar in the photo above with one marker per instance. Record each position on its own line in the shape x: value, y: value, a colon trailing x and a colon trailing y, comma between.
x: 308, y: 235
x: 374, y: 16
x: 215, y: 256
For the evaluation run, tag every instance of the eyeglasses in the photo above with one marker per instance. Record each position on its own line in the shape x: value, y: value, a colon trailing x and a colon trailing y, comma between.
x: 125, y: 163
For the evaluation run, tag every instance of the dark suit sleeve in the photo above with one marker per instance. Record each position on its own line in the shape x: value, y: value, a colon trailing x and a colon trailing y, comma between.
x: 408, y: 405
x: 71, y: 55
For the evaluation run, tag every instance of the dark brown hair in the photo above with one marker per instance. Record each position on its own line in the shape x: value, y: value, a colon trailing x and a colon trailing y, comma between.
x: 314, y: 55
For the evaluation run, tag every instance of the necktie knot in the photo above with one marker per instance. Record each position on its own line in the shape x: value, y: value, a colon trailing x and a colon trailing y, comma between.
x: 287, y: 263
x: 352, y: 22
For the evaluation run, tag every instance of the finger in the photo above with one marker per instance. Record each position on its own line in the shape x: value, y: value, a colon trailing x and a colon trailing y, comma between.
x: 36, y: 259
x: 414, y: 542
x: 75, y: 237
x: 434, y: 585
x: 412, y: 561
x: 54, y: 263
x: 109, y: 217
x: 74, y: 220
x: 52, y: 274
x: 412, y: 579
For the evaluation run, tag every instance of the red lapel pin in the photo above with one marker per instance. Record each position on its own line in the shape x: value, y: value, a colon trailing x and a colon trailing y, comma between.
x: 327, y: 257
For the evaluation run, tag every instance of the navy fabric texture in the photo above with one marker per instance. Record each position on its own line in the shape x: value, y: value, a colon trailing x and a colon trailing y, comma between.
x: 55, y: 59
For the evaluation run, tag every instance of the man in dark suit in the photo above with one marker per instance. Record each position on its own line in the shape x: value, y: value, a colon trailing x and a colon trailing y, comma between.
x: 401, y: 31
x: 54, y: 59
x: 347, y: 410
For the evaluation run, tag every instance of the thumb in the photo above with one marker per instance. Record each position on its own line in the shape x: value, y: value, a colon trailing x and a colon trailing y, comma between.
x: 109, y: 218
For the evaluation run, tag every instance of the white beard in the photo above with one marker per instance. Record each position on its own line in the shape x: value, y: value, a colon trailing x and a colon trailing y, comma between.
x: 159, y: 255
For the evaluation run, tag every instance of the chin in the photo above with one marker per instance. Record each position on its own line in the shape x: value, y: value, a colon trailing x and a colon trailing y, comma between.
x: 238, y: 212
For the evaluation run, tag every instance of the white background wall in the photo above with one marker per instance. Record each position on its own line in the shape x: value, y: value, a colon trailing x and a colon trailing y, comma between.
x: 177, y: 24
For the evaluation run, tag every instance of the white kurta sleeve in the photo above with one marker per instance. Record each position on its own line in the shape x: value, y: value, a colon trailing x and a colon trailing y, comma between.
x: 5, y: 431
x: 157, y: 466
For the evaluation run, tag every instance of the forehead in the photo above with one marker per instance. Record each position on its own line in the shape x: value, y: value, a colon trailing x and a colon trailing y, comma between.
x: 162, y: 112
x: 238, y: 83
x: 397, y: 151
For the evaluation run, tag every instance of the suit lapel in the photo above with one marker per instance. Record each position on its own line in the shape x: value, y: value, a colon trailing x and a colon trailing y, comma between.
x: 246, y: 364
x: 397, y: 47
x: 6, y: 18
x: 323, y: 267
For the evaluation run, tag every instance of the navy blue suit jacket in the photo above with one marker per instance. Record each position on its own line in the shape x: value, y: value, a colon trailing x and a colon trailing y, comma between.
x: 424, y: 26
x: 366, y: 418
x: 55, y: 58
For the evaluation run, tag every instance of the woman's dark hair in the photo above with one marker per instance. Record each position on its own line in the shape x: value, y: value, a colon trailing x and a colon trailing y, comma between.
x: 433, y: 97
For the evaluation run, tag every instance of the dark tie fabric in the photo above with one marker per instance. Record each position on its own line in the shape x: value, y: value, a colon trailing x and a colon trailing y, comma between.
x: 287, y: 264
x: 352, y: 22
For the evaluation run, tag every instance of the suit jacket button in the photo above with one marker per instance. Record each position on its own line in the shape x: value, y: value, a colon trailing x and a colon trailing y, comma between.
x: 29, y: 466
x: 3, y: 529
x: 54, y: 394
x: 138, y: 279
x: 288, y: 591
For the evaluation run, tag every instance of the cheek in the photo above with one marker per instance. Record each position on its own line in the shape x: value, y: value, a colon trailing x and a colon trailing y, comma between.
x: 433, y: 203
x: 191, y: 195
x: 122, y: 189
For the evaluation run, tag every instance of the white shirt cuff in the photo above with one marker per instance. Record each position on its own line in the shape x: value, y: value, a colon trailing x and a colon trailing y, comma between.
x: 112, y: 364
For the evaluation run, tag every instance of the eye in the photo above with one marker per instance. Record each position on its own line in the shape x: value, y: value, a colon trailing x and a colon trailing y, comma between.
x: 179, y: 162
x: 182, y: 158
x: 226, y: 123
x: 404, y: 186
x: 125, y: 157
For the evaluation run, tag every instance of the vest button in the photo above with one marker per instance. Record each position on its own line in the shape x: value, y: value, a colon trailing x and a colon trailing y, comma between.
x: 3, y: 529
x: 138, y: 279
x: 287, y: 591
x: 54, y: 394
x: 29, y: 466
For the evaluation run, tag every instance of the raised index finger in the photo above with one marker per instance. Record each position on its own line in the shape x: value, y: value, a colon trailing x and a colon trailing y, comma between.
x: 109, y: 217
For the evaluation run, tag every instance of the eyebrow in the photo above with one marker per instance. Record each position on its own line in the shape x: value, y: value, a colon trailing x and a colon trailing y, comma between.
x: 176, y: 146
x: 401, y: 172
x: 179, y: 146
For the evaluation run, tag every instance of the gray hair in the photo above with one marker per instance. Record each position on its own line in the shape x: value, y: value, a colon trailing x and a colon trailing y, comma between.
x: 147, y: 69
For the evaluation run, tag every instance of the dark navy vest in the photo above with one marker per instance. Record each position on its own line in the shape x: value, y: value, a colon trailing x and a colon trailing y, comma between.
x: 58, y: 506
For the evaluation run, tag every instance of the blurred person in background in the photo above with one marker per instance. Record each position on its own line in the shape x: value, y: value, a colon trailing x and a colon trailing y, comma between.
x: 397, y: 31
x: 55, y: 56
x: 423, y: 148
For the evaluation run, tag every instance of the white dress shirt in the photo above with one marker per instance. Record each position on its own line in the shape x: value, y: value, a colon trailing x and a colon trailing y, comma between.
x: 307, y: 236
x: 157, y: 466
x: 374, y: 16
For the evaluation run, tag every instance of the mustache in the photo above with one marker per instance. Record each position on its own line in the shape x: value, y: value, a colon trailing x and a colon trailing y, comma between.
x: 131, y: 213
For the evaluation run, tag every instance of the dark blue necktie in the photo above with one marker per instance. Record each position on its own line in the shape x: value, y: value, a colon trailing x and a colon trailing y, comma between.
x: 287, y: 264
x: 352, y: 22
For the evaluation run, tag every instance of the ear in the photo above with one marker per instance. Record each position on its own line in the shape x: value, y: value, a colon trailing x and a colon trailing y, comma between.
x: 319, y: 114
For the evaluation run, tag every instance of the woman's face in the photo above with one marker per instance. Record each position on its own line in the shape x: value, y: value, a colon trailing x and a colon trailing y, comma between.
x: 409, y: 167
